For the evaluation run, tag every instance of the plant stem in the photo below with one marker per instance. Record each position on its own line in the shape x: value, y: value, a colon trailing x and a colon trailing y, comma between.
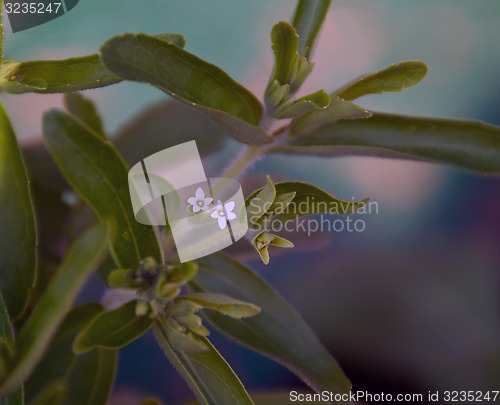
x: 248, y: 155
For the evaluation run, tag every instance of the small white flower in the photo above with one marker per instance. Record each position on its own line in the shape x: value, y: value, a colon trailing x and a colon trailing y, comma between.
x: 199, y: 202
x: 220, y: 213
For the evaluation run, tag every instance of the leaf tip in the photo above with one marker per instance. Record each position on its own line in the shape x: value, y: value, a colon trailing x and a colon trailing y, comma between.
x: 79, y: 346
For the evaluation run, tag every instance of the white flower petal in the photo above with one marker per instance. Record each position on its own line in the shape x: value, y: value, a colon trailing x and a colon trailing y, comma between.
x: 215, y: 214
x: 200, y: 194
x: 222, y: 222
x: 192, y: 200
x: 208, y: 201
x: 229, y: 206
x: 196, y: 208
x: 116, y: 297
x: 231, y: 215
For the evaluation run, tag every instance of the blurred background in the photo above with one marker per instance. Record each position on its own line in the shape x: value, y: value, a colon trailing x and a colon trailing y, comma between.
x: 412, y: 303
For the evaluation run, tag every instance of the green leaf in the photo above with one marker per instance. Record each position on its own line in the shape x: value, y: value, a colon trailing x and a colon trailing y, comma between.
x: 172, y: 38
x: 285, y: 47
x: 301, y: 70
x: 206, y: 87
x: 396, y: 77
x: 307, y: 20
x: 181, y: 323
x: 339, y: 109
x: 264, y: 239
x: 222, y: 303
x: 264, y: 255
x: 82, y: 379
x: 293, y: 199
x: 281, y: 202
x: 245, y: 252
x: 6, y: 335
x: 278, y: 241
x: 84, y: 109
x: 55, y: 76
x: 236, y: 128
x: 18, y: 235
x: 183, y: 75
x: 183, y: 339
x: 7, y: 340
x: 55, y: 219
x: 91, y: 379
x: 470, y: 145
x: 106, y: 267
x: 276, y: 94
x: 182, y: 273
x: 192, y: 323
x: 316, y: 102
x: 121, y: 279
x: 277, y: 332
x: 98, y: 174
x: 52, y: 394
x: 61, y: 76
x: 291, y: 68
x: 59, y: 358
x: 163, y: 125
x: 112, y: 329
x: 260, y: 202
x: 39, y: 329
x: 309, y: 200
x: 41, y: 167
x: 207, y: 373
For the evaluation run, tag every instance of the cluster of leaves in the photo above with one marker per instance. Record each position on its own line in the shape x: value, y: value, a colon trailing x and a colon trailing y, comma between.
x: 285, y: 201
x: 61, y: 354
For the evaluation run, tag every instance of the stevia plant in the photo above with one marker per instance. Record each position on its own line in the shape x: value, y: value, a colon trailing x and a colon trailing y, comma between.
x: 52, y: 352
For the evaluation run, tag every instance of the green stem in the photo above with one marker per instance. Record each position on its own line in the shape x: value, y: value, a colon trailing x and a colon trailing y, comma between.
x: 246, y: 158
x: 250, y: 154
